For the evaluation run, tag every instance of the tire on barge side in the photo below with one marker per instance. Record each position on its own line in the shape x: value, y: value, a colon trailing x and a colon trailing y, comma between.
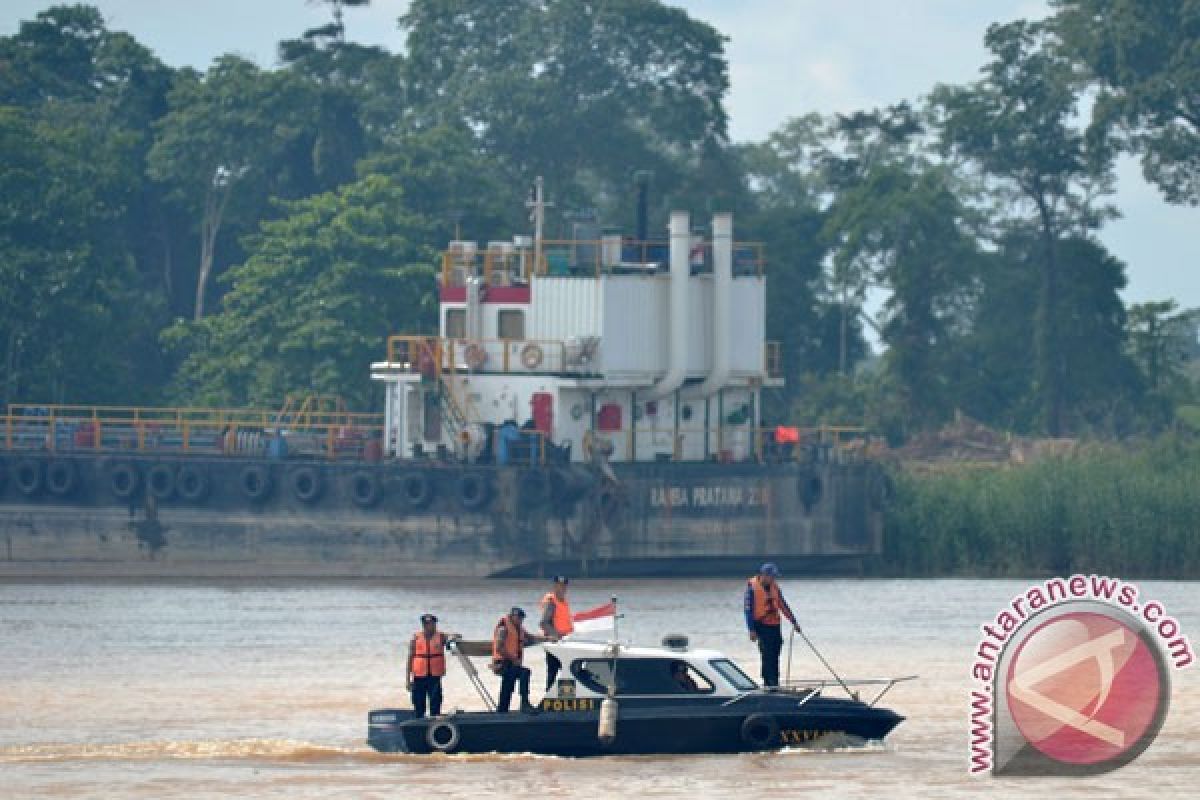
x: 417, y: 489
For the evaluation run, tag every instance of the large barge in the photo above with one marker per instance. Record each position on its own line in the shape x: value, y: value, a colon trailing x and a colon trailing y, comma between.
x: 591, y: 405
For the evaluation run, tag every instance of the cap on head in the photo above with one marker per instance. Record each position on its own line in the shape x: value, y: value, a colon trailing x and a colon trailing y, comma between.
x: 517, y: 612
x: 769, y: 569
x: 427, y: 619
x: 562, y: 580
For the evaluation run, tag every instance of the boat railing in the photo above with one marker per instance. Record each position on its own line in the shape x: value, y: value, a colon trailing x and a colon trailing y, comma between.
x: 504, y: 264
x: 192, y: 431
x: 818, y: 685
x: 432, y: 356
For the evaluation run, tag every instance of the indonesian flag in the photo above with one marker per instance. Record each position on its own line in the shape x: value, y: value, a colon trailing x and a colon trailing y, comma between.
x: 601, y: 619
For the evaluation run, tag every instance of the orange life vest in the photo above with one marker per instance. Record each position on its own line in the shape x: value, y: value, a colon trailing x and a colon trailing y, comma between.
x: 767, y: 602
x: 429, y: 655
x: 513, y: 648
x: 787, y: 434
x: 563, y: 623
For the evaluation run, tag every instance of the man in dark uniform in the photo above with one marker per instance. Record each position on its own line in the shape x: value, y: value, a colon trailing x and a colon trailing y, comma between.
x: 765, y: 607
x: 509, y: 641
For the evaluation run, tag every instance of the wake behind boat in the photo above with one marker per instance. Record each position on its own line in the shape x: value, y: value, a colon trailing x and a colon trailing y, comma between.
x: 619, y: 699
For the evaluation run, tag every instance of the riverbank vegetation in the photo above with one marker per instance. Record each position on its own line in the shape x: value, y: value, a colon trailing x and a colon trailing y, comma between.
x: 1130, y: 511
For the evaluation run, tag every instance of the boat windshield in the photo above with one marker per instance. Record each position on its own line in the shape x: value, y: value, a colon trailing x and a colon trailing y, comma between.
x: 732, y: 673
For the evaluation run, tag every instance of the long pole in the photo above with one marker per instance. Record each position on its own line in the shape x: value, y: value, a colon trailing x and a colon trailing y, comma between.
x: 841, y: 682
x: 791, y: 638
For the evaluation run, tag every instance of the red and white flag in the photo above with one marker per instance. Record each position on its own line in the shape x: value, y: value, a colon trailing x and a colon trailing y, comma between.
x: 601, y: 619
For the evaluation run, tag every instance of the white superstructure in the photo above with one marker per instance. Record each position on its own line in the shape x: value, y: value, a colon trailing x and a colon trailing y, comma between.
x: 654, y: 350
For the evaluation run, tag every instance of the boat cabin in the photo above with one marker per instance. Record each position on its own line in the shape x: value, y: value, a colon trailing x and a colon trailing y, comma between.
x: 644, y: 672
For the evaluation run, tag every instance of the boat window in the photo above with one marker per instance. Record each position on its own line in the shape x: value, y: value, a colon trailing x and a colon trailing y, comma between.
x: 730, y: 672
x: 456, y: 323
x: 511, y: 324
x: 656, y: 676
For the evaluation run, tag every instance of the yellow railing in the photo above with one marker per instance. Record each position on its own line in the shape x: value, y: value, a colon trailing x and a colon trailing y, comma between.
x: 434, y: 356
x: 56, y: 428
x: 589, y: 257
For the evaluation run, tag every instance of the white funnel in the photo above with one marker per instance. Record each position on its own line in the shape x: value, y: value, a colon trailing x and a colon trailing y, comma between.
x: 718, y: 376
x: 677, y: 313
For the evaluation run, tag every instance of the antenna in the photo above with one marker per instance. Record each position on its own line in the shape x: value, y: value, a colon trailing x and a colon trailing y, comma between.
x: 537, y: 202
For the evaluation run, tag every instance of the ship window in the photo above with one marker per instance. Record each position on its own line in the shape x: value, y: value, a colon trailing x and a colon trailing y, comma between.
x: 510, y: 324
x: 730, y: 672
x: 456, y: 323
x: 656, y: 676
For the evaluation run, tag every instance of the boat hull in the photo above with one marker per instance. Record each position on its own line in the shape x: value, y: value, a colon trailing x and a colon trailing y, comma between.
x: 662, y: 519
x: 761, y: 723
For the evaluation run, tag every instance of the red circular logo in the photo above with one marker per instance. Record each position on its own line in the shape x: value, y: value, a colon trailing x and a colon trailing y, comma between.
x: 1085, y: 688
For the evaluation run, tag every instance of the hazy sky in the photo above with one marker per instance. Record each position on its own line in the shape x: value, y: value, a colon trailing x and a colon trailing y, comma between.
x: 786, y: 58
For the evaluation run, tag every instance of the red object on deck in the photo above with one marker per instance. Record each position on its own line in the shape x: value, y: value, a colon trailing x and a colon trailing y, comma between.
x: 543, y: 412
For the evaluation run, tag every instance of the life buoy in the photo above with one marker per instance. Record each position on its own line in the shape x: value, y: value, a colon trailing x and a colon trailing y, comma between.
x: 474, y: 491
x: 29, y: 476
x: 306, y: 484
x: 443, y: 736
x: 61, y: 478
x: 255, y: 481
x: 192, y: 483
x: 531, y: 356
x: 475, y: 355
x: 161, y: 481
x: 760, y: 731
x: 364, y: 489
x: 124, y: 480
x: 417, y: 490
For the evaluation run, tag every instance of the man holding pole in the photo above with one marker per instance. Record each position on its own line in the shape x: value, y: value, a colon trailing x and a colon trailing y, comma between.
x: 765, y: 608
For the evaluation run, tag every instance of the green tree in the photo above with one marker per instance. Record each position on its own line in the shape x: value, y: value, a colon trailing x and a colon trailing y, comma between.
x: 1015, y: 125
x: 582, y: 93
x: 310, y: 308
x: 67, y: 283
x: 1143, y: 56
x: 222, y: 149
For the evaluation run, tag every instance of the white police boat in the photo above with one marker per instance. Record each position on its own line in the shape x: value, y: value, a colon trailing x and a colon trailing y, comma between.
x: 619, y: 699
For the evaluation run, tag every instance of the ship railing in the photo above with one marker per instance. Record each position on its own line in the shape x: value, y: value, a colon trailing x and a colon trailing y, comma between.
x: 504, y: 265
x: 739, y: 443
x: 433, y: 356
x: 66, y: 430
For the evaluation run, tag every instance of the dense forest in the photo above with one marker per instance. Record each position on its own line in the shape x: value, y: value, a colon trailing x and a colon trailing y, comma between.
x: 229, y: 236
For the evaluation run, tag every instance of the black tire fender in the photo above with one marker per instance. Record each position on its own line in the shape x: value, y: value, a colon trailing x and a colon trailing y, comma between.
x: 534, y: 487
x: 255, y: 482
x: 192, y: 483
x: 124, y: 480
x: 306, y: 484
x: 28, y: 476
x: 417, y: 489
x: 761, y: 731
x: 161, y: 481
x: 365, y: 490
x: 443, y: 736
x: 62, y: 478
x: 474, y: 490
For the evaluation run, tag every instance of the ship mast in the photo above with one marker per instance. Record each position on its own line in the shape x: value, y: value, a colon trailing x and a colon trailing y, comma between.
x: 537, y: 202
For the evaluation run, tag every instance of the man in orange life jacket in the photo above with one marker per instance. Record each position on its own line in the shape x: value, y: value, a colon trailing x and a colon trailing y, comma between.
x: 509, y: 641
x: 426, y: 666
x: 556, y: 623
x: 764, y: 605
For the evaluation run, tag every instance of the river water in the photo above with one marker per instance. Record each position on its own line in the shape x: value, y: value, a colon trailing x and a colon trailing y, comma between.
x: 231, y: 690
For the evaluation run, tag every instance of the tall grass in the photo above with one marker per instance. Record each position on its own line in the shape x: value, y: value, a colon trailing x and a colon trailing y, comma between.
x: 1111, y: 511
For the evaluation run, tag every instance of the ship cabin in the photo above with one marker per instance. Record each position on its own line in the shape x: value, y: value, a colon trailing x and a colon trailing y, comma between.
x: 600, y: 346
